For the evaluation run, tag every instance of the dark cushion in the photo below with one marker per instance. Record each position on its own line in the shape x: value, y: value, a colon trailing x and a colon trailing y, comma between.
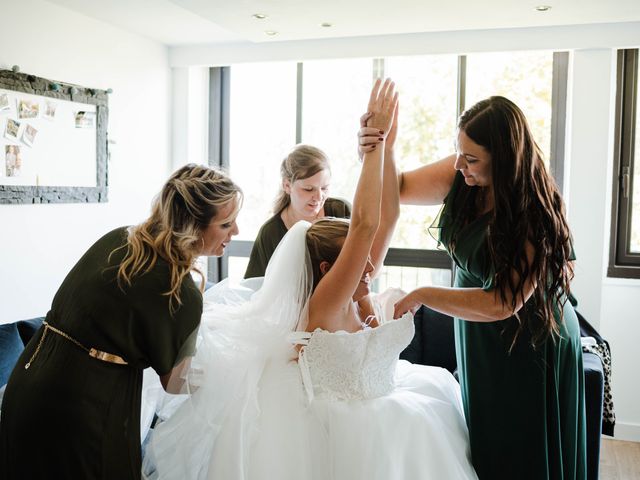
x: 28, y: 328
x: 434, y: 341
x: 413, y: 352
x: 594, y: 394
x: 11, y: 347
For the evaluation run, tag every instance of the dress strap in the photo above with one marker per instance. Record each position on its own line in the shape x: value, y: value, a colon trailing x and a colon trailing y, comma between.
x: 302, y: 338
x: 299, y: 338
x: 306, y: 374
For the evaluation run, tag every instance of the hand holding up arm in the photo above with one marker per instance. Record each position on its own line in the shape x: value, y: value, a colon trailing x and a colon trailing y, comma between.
x: 368, y: 137
x: 366, y: 202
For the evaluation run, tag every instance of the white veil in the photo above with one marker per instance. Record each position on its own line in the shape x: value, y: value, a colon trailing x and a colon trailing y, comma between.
x: 243, y: 327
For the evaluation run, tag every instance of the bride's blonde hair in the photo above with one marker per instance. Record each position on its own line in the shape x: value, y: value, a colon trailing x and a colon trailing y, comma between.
x: 185, y: 207
x: 324, y: 242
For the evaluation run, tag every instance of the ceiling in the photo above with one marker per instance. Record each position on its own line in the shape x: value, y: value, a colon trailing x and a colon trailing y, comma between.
x: 191, y: 22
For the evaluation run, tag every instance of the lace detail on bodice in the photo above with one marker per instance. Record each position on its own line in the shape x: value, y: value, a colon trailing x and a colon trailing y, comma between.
x: 348, y: 366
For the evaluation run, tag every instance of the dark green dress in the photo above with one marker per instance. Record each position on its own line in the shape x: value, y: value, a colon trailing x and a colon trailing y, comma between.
x: 71, y: 416
x: 274, y: 229
x: 525, y: 409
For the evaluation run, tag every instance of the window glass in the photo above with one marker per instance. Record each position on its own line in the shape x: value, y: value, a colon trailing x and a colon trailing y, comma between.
x: 262, y: 131
x: 525, y: 78
x: 409, y: 278
x: 237, y: 266
x: 335, y: 95
x: 426, y: 131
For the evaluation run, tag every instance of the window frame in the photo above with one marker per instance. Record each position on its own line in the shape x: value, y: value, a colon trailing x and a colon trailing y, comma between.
x: 403, y: 257
x: 219, y: 140
x: 623, y: 263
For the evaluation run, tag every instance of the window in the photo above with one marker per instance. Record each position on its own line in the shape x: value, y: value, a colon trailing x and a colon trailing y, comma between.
x: 624, y: 258
x: 408, y: 278
x: 262, y: 130
x: 426, y: 126
x: 273, y: 106
x: 334, y: 96
x: 524, y: 78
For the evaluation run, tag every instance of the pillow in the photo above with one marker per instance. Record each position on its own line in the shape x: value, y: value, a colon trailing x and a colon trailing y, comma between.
x: 434, y: 341
x: 438, y: 339
x: 28, y: 328
x: 11, y: 347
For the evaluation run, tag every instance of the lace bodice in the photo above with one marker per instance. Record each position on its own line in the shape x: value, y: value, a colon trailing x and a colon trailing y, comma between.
x: 347, y: 366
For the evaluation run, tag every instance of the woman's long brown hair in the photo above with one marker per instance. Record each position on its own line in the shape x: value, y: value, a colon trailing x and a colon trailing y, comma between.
x: 527, y: 207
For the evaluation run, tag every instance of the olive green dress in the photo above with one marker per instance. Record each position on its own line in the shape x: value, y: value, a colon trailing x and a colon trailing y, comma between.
x: 525, y: 409
x: 72, y: 416
x: 274, y: 229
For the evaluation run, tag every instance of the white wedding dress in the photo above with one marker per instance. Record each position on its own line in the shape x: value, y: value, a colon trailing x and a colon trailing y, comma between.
x: 344, y: 408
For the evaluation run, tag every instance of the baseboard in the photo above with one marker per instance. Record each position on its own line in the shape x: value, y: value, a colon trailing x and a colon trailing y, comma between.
x: 627, y: 431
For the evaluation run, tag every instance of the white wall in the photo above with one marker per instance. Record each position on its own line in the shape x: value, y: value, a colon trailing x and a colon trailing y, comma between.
x: 190, y: 98
x: 619, y: 323
x: 40, y: 243
x: 590, y: 114
x: 612, y: 305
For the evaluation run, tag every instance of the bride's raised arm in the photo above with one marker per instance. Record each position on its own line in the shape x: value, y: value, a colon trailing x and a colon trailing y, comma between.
x: 390, y: 206
x: 332, y: 296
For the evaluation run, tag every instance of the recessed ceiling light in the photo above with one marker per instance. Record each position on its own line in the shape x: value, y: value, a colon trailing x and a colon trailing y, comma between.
x: 543, y: 8
x: 271, y: 33
x: 259, y: 16
x: 326, y: 24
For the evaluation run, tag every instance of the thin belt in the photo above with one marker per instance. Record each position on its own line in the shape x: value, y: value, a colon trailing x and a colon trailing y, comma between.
x: 93, y: 352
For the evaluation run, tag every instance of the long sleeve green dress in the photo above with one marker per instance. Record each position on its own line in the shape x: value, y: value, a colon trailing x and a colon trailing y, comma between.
x: 525, y: 409
x: 73, y: 416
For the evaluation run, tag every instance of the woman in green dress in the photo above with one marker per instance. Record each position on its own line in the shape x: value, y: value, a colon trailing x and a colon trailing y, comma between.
x: 71, y: 409
x: 303, y: 193
x: 517, y: 338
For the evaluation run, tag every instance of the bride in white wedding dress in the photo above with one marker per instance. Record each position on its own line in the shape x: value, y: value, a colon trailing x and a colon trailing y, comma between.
x: 297, y: 376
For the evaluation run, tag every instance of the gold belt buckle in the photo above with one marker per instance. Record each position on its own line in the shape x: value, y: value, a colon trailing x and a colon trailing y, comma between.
x: 100, y: 355
x: 106, y: 357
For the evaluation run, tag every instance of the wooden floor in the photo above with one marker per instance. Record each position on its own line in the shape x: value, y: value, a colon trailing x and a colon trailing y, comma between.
x: 619, y: 460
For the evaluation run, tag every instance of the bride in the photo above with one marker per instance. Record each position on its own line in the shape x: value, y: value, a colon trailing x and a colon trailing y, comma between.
x: 297, y: 376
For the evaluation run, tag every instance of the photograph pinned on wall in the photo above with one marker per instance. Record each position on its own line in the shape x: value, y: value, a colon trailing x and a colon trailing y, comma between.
x: 28, y: 109
x: 11, y: 130
x: 4, y: 102
x: 49, y: 110
x: 29, y: 135
x: 13, y: 160
x: 85, y: 119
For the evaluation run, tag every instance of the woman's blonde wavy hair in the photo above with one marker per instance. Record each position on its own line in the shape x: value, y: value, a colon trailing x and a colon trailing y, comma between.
x: 185, y: 207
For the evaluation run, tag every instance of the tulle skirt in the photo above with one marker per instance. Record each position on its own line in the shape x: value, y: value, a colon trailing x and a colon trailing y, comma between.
x: 417, y: 431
